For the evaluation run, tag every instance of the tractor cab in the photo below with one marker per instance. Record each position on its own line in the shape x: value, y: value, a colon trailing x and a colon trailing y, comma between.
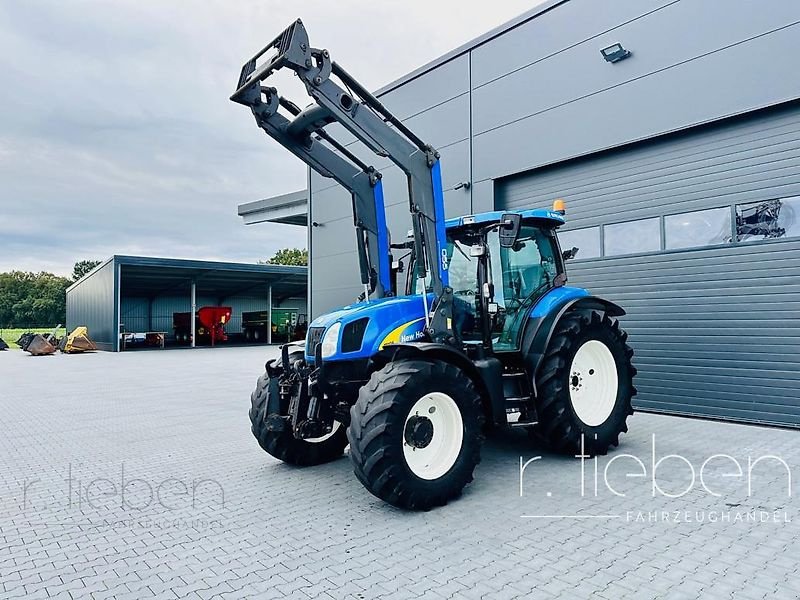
x: 501, y: 264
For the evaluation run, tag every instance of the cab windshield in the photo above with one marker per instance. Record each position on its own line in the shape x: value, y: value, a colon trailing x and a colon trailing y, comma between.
x: 520, y: 274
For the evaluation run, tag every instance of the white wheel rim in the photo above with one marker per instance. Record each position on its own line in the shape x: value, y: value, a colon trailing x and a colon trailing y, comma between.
x: 322, y: 438
x: 593, y: 383
x: 439, y: 455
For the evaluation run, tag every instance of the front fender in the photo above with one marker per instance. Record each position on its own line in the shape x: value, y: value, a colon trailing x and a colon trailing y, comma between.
x: 416, y: 349
x: 486, y: 374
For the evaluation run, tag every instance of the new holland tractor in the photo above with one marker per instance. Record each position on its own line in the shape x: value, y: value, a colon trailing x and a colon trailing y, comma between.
x: 477, y: 330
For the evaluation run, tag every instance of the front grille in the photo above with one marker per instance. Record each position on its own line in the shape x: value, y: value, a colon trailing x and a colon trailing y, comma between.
x: 353, y: 335
x: 314, y: 337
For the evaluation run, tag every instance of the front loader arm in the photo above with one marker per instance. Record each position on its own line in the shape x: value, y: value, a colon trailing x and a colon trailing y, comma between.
x: 365, y: 117
x: 303, y: 136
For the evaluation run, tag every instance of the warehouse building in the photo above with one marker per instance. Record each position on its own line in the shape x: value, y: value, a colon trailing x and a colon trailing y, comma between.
x: 128, y: 297
x: 672, y: 130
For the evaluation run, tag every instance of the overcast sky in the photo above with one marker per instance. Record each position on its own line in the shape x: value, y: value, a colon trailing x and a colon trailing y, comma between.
x: 117, y: 135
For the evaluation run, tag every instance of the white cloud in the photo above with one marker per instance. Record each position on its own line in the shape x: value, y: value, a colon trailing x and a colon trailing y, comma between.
x: 117, y: 135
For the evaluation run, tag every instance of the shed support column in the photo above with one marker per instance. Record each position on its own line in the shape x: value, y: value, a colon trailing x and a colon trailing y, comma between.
x: 269, y: 314
x: 193, y: 312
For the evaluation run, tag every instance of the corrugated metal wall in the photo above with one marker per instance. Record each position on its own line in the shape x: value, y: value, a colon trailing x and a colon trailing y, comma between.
x: 716, y: 329
x: 91, y: 303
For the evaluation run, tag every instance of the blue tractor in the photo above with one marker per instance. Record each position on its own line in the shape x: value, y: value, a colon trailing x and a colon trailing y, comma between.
x: 465, y: 326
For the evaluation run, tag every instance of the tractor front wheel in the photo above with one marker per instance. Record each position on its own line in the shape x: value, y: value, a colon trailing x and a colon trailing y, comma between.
x: 585, y: 385
x: 280, y: 442
x: 415, y: 433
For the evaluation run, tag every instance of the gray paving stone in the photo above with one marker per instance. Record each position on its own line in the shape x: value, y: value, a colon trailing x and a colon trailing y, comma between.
x: 174, y: 418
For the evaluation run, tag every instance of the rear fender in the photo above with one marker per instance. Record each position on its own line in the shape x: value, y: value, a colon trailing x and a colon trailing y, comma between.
x: 486, y: 374
x: 539, y: 330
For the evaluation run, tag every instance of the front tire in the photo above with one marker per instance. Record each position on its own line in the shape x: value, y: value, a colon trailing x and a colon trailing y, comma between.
x: 415, y: 433
x: 265, y: 401
x: 585, y: 385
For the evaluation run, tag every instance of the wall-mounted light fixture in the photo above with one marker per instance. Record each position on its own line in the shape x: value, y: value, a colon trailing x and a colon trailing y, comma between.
x: 615, y: 53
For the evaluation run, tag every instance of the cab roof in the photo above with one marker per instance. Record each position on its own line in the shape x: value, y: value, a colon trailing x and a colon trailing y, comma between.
x: 555, y: 218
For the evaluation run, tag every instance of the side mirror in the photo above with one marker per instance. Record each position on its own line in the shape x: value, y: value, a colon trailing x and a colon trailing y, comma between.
x: 509, y: 229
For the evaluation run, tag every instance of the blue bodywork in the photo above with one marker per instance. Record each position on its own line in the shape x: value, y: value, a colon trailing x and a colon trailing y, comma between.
x: 555, y: 299
x: 385, y: 316
x: 383, y: 237
x: 402, y: 318
x: 441, y: 234
x: 556, y: 218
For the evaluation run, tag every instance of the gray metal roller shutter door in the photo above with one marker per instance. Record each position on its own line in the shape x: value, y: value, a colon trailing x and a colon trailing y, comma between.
x: 716, y: 330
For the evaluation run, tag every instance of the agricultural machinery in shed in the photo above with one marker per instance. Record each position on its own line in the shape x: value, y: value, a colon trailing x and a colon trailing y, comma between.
x: 209, y: 325
x: 482, y: 333
x: 286, y: 325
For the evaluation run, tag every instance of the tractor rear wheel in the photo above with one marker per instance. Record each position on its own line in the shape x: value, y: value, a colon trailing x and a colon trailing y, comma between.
x: 415, y: 433
x: 585, y: 385
x: 280, y: 442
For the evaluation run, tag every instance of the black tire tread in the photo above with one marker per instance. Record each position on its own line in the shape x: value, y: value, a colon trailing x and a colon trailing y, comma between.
x: 377, y: 463
x: 282, y: 444
x: 558, y: 427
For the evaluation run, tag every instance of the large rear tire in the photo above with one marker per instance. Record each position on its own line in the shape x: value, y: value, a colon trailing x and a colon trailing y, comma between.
x: 415, y: 433
x: 585, y: 385
x: 265, y: 401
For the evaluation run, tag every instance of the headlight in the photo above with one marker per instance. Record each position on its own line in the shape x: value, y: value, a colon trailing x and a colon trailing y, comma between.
x: 330, y: 341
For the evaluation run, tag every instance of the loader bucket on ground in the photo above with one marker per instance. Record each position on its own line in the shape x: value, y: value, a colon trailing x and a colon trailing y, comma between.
x: 3, y: 345
x: 78, y: 341
x: 25, y: 339
x: 38, y: 346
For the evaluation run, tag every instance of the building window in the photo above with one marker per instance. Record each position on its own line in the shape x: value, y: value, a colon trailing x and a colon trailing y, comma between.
x: 698, y: 228
x: 767, y: 220
x: 586, y: 240
x: 632, y: 237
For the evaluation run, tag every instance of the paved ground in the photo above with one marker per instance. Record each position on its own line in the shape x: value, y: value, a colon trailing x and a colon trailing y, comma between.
x: 113, y: 470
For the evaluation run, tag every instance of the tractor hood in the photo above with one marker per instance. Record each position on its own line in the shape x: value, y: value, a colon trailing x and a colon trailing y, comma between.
x: 395, y: 319
x: 400, y: 304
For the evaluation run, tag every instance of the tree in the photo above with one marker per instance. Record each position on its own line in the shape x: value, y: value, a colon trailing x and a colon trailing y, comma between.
x: 82, y: 267
x: 32, y: 299
x: 289, y: 256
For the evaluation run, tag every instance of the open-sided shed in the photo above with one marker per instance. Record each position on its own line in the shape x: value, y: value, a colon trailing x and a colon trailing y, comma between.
x: 135, y: 294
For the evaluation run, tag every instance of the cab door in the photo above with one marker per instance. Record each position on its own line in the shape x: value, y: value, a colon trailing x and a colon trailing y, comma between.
x: 521, y: 275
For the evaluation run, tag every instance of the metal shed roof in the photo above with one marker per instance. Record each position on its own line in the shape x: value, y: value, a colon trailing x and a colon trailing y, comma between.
x: 148, y: 276
x: 153, y: 276
x: 291, y: 209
